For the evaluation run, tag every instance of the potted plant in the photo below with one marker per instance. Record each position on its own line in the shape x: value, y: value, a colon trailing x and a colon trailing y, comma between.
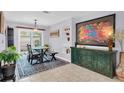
x: 46, y: 45
x: 8, y: 59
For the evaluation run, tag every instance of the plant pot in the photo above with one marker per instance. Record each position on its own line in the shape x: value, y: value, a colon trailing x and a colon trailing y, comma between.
x: 8, y: 72
x: 1, y: 74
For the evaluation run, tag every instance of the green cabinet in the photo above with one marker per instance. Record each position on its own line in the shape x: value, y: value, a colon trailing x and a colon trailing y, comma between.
x: 100, y: 61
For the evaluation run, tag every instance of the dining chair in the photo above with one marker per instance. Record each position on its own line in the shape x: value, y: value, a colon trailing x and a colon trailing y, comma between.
x: 32, y: 55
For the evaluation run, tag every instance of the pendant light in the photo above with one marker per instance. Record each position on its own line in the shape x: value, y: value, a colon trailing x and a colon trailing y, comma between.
x: 35, y: 25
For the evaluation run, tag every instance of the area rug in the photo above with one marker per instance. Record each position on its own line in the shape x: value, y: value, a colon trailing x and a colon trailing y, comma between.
x: 68, y: 73
x: 25, y: 68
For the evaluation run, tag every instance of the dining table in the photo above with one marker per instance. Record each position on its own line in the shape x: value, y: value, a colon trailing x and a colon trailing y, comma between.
x: 42, y: 51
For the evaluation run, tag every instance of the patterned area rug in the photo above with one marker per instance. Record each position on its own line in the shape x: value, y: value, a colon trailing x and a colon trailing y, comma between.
x: 25, y: 68
x: 68, y: 73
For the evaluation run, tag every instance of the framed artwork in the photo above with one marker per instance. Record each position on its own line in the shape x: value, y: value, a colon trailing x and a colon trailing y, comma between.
x: 54, y: 34
x: 95, y: 32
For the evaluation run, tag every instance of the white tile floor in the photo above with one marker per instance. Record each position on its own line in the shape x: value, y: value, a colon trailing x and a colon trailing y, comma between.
x: 68, y: 73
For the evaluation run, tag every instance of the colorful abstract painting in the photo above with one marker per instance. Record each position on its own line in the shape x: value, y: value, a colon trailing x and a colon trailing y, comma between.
x: 96, y: 31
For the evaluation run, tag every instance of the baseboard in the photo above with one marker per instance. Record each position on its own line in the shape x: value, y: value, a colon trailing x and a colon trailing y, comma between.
x: 63, y: 59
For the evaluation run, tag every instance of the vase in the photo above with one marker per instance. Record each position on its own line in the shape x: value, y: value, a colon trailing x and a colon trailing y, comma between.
x: 110, y: 44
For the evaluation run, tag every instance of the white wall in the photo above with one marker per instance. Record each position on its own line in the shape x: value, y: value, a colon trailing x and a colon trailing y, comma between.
x: 119, y: 21
x: 60, y: 44
x: 45, y: 37
x: 17, y: 37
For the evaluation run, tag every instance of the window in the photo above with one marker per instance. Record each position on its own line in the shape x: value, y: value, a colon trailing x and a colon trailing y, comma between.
x: 36, y: 39
x: 29, y: 37
x: 24, y: 40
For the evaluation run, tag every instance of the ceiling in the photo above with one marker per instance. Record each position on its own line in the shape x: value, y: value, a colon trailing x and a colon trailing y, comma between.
x: 46, y: 19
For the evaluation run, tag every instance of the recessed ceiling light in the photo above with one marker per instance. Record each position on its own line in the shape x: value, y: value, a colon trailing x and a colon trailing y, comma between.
x: 46, y: 12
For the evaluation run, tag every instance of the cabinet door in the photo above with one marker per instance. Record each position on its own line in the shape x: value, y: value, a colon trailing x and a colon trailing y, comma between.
x: 94, y: 60
x: 90, y: 59
x: 103, y: 64
x: 74, y: 55
x: 81, y: 57
x: 85, y: 58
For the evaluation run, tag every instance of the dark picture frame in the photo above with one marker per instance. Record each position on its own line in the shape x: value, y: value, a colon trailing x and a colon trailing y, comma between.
x: 95, y: 32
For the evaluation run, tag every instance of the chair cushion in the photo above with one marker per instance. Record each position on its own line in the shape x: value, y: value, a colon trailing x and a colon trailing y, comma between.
x: 36, y: 53
x: 53, y: 52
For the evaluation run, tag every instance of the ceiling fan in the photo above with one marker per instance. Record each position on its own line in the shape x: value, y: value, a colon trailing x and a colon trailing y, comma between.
x: 32, y: 28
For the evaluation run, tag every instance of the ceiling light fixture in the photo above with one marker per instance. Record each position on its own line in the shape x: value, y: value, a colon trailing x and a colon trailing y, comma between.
x: 35, y: 25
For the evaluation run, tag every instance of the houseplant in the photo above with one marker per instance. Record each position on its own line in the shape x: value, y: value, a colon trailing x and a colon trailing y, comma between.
x: 46, y: 45
x: 8, y: 59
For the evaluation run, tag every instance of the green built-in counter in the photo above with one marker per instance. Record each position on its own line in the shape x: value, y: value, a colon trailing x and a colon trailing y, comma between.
x: 100, y: 61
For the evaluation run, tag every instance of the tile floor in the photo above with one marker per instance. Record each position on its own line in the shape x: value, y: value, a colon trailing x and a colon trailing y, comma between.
x: 68, y: 73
